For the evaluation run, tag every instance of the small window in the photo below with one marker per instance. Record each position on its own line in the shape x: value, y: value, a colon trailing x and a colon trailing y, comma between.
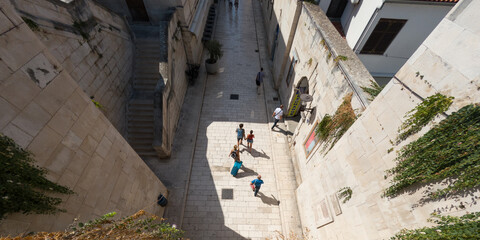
x: 383, y: 34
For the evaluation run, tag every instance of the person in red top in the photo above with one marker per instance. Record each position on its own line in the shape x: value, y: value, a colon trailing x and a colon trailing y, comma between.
x: 250, y: 140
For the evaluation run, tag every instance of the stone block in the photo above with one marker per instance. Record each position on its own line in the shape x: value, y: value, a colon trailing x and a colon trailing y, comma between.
x: 8, y: 112
x: 19, y: 136
x: 104, y: 147
x: 5, y: 23
x: 44, y: 144
x: 69, y: 179
x: 19, y: 46
x: 80, y: 53
x: 56, y: 93
x: 78, y: 162
x: 6, y: 73
x: 89, y: 145
x: 60, y: 159
x: 72, y: 141
x: 32, y: 119
x: 62, y: 121
x: 19, y: 89
x: 90, y: 172
x: 40, y: 70
x: 77, y: 102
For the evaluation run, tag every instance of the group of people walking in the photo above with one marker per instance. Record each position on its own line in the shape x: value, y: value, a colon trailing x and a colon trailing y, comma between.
x: 241, y: 135
x: 235, y: 154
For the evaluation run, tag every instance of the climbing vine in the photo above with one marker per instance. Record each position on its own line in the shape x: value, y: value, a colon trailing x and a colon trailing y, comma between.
x: 23, y: 185
x: 331, y: 128
x: 138, y: 226
x: 373, y: 90
x: 422, y: 114
x: 450, y: 149
x: 345, y: 193
x: 447, y: 227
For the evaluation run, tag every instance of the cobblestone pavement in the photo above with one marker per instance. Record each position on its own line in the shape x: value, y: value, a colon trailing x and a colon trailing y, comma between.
x: 201, y: 164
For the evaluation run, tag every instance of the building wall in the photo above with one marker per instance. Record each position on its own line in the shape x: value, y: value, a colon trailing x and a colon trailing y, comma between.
x: 284, y: 13
x: 361, y: 157
x: 102, y: 64
x: 329, y: 81
x: 177, y: 84
x: 421, y: 20
x: 46, y: 111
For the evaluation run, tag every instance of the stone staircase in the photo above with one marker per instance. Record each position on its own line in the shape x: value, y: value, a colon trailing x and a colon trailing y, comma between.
x: 140, y: 115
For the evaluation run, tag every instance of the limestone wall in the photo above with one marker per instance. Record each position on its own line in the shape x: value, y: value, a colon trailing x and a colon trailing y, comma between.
x: 97, y: 52
x: 176, y: 84
x: 47, y: 112
x: 447, y: 60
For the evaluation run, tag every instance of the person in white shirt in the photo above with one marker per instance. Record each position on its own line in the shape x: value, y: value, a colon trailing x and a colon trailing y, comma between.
x: 277, y: 115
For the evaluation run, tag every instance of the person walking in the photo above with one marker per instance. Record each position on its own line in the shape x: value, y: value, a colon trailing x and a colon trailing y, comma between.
x: 236, y: 4
x: 259, y: 80
x: 237, y: 164
x: 240, y: 134
x: 256, y: 184
x: 250, y: 140
x: 277, y: 115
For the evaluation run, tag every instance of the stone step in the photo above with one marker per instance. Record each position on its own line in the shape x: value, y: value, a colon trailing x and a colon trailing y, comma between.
x: 141, y: 131
x: 141, y: 102
x: 136, y: 136
x: 143, y: 154
x: 140, y: 109
x: 147, y: 70
x: 142, y: 75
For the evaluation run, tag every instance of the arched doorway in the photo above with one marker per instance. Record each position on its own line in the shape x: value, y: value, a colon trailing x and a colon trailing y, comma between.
x: 295, y: 104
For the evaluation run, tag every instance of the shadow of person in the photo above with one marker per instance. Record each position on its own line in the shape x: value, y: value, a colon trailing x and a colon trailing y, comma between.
x: 268, y: 200
x: 286, y: 133
x: 256, y: 153
x: 246, y: 172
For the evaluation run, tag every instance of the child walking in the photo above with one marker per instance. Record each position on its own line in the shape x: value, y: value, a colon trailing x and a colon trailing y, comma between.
x: 240, y: 134
x: 250, y: 140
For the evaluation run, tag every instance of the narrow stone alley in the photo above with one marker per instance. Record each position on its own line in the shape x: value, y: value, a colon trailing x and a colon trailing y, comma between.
x: 216, y: 204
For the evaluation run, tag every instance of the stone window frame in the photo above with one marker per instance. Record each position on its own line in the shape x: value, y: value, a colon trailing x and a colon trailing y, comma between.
x: 312, y: 131
x: 382, y: 36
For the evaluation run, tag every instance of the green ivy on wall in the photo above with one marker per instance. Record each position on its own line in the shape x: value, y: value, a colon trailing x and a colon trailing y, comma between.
x: 447, y: 227
x: 373, y: 90
x: 23, y: 185
x: 332, y: 128
x: 450, y: 149
x: 422, y: 114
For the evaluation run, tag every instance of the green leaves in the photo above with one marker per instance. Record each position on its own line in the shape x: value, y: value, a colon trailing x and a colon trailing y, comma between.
x: 447, y: 227
x: 332, y: 128
x: 23, y: 185
x: 422, y: 114
x: 373, y: 90
x: 449, y: 150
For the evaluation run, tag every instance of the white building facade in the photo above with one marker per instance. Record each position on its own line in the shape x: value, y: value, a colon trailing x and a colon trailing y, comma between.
x: 385, y: 33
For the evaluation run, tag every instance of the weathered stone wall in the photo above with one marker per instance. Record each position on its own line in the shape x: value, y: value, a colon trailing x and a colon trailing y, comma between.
x: 284, y: 14
x: 447, y: 60
x: 97, y: 52
x: 46, y: 111
x: 317, y: 47
x: 176, y: 85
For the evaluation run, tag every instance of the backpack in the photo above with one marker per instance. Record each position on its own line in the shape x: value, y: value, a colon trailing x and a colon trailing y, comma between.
x: 234, y: 155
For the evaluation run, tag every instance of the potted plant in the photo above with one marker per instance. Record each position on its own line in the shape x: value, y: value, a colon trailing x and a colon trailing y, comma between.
x: 215, y: 50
